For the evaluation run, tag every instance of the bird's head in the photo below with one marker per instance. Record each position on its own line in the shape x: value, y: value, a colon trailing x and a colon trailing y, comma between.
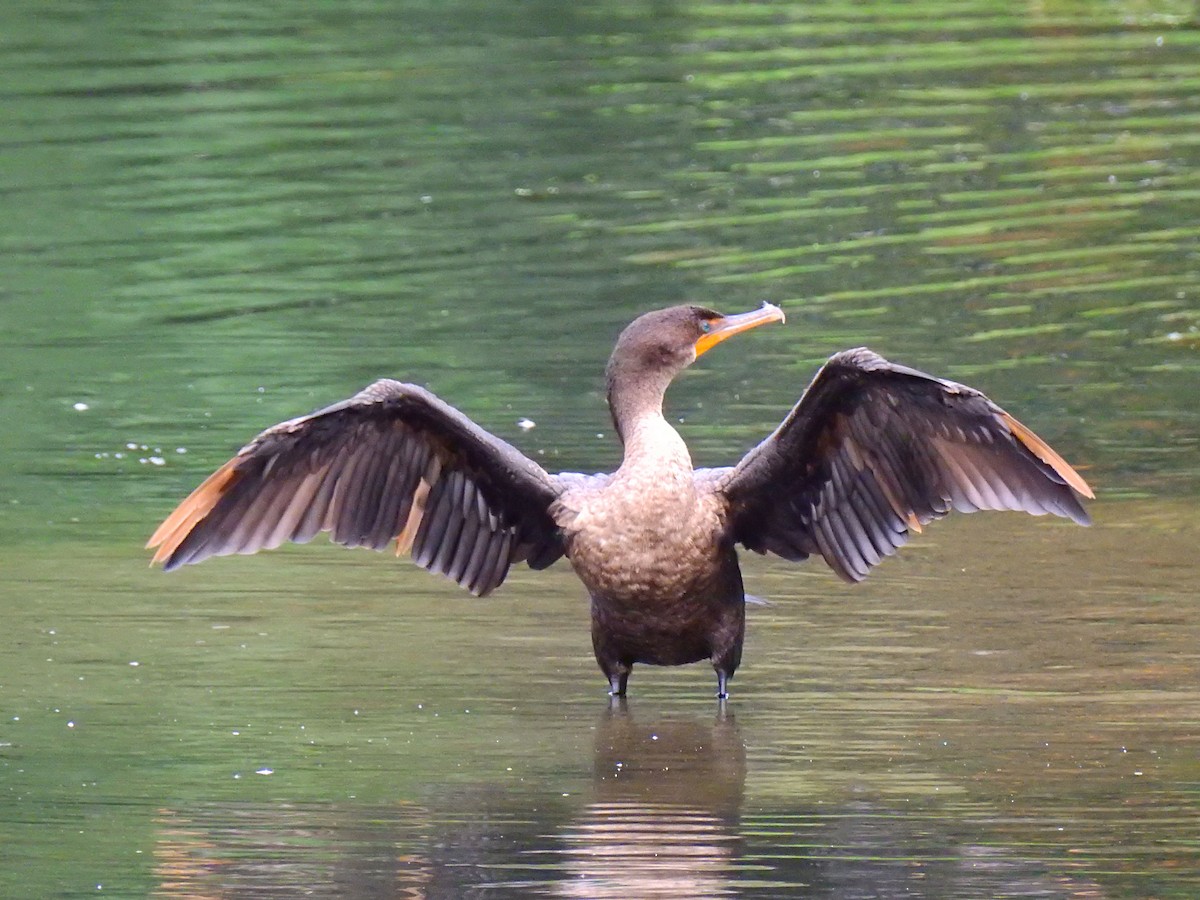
x: 667, y: 341
x: 657, y: 346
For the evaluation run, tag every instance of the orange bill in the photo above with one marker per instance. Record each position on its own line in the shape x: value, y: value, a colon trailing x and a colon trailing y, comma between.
x: 727, y: 326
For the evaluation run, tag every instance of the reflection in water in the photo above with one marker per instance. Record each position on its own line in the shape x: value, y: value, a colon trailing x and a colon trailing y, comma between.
x: 663, y: 819
x: 666, y: 816
x: 621, y: 850
x: 661, y: 822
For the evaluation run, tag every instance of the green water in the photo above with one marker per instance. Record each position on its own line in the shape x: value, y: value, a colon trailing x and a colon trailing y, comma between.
x: 222, y: 215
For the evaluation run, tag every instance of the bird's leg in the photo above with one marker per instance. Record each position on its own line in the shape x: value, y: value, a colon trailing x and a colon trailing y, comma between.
x: 618, y: 678
x: 609, y: 656
x: 727, y: 632
x: 722, y: 685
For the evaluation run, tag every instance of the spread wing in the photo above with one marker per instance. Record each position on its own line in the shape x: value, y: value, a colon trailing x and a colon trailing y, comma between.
x: 873, y: 451
x: 392, y: 463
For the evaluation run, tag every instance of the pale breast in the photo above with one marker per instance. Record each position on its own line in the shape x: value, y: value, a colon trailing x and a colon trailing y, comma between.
x: 642, y: 538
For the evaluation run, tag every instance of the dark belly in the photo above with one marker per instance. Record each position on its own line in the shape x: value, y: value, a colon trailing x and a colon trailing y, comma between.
x: 668, y: 633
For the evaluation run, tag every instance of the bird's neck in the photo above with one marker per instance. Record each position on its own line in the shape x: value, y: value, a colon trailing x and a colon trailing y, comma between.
x: 649, y: 441
x: 654, y: 448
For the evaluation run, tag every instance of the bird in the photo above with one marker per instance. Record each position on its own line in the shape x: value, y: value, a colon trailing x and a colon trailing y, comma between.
x: 870, y: 453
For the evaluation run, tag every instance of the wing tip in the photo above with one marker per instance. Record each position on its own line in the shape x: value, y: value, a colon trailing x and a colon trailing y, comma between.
x: 1047, y: 454
x: 183, y: 519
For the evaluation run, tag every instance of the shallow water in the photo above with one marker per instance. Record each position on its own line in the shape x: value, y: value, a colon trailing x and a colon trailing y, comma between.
x: 220, y: 218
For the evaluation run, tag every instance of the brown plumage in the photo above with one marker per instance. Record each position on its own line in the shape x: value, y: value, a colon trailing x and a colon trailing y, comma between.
x: 870, y: 453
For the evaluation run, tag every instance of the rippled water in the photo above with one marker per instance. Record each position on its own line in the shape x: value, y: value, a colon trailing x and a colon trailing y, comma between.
x: 221, y: 216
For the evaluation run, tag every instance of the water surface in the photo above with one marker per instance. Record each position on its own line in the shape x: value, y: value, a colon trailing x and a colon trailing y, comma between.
x: 221, y: 217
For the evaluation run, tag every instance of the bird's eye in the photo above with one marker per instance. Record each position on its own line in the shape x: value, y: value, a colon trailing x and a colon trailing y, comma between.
x: 705, y: 326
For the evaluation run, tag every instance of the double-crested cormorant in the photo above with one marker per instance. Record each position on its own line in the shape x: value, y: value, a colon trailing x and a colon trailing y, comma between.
x: 870, y: 453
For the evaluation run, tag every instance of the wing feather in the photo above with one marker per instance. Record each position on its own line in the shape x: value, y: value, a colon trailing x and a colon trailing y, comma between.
x: 473, y: 568
x: 496, y: 562
x: 288, y: 526
x: 348, y: 472
x: 873, y: 451
x: 315, y: 519
x: 383, y: 526
x: 392, y: 463
x: 468, y: 537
